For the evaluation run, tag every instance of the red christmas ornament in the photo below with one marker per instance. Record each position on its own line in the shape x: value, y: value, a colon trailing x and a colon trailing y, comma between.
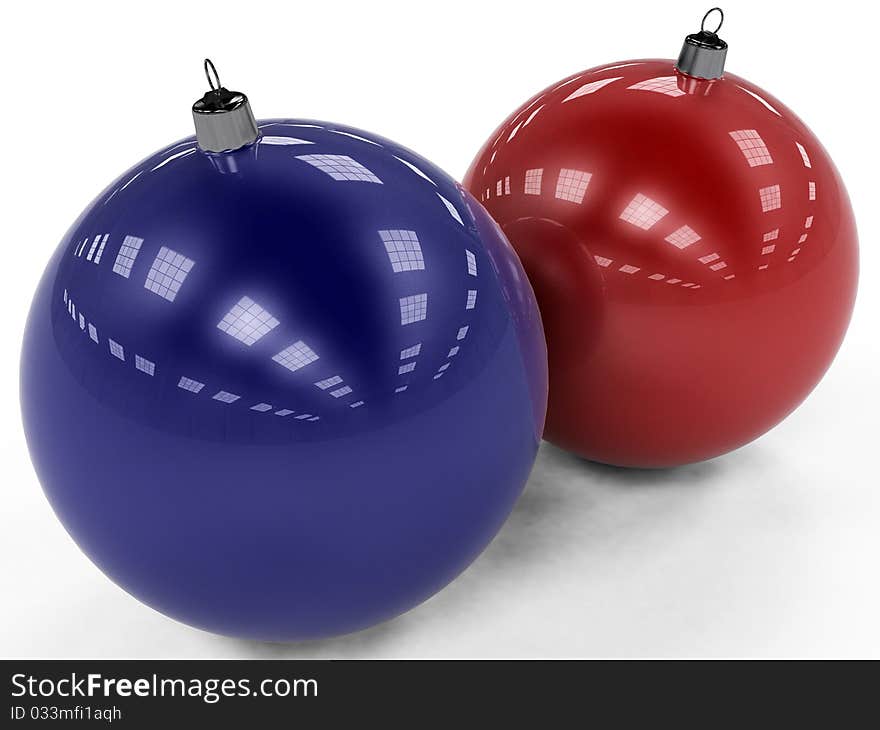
x: 692, y: 248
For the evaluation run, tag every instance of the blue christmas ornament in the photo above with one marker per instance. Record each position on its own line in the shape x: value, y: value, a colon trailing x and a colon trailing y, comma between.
x: 284, y: 390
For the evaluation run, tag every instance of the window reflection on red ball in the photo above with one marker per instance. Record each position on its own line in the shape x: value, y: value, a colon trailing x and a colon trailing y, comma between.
x: 693, y: 251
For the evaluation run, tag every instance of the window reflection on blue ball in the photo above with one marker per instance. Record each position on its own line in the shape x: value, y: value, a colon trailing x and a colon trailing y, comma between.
x: 288, y: 391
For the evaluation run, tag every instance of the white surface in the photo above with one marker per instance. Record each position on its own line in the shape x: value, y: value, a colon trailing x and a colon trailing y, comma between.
x: 772, y: 550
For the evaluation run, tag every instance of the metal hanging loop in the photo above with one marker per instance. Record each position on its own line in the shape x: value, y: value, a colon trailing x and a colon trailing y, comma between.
x: 720, y: 20
x: 213, y: 77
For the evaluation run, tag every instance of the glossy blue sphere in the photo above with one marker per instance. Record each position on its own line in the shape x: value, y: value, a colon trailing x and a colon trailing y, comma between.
x: 288, y: 391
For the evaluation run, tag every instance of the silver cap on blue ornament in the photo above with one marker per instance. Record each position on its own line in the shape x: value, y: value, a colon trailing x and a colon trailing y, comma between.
x: 224, y: 120
x: 703, y: 54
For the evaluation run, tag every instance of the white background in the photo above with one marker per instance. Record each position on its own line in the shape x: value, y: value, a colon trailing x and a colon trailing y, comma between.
x: 772, y: 550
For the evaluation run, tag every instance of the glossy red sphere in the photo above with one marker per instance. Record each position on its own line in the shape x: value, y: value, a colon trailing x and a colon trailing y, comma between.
x: 693, y: 251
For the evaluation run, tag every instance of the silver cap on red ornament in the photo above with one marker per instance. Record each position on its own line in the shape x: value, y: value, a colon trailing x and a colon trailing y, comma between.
x: 702, y: 54
x: 224, y: 120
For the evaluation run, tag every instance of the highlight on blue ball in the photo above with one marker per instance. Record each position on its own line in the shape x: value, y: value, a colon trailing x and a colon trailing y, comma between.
x: 288, y: 391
